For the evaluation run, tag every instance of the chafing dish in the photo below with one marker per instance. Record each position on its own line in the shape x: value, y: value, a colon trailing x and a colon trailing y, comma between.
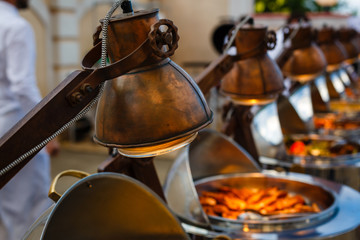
x: 309, y: 109
x: 189, y: 174
x: 344, y: 169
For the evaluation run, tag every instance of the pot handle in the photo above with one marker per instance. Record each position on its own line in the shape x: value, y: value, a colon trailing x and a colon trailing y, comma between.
x: 203, y: 233
x: 55, y: 196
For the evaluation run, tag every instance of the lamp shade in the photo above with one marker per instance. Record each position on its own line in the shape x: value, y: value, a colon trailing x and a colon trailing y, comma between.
x: 346, y: 36
x: 334, y: 52
x: 301, y: 59
x: 255, y: 78
x: 153, y: 109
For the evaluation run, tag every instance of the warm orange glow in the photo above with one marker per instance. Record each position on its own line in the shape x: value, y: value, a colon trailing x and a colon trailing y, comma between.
x: 253, y: 101
x: 344, y: 106
x: 246, y: 228
x: 304, y: 78
x: 333, y: 67
x: 157, y: 149
x: 350, y: 61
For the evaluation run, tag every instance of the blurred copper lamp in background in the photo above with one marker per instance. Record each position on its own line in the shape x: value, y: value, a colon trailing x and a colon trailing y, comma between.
x: 301, y: 59
x: 335, y: 55
x: 356, y: 39
x: 347, y: 37
x: 342, y: 56
x: 250, y: 77
x: 302, y: 62
x: 148, y: 105
x: 334, y: 52
x: 255, y: 78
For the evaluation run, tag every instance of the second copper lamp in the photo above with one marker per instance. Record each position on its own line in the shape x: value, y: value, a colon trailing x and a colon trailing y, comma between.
x: 248, y: 77
x: 301, y: 59
x: 255, y: 78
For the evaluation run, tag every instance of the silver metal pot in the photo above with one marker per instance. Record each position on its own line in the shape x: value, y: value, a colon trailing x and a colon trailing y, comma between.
x: 107, y: 206
x: 335, y: 221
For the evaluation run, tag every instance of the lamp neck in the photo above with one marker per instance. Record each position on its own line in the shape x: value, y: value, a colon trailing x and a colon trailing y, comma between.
x: 251, y: 39
x: 325, y: 36
x: 126, y: 32
x: 300, y: 36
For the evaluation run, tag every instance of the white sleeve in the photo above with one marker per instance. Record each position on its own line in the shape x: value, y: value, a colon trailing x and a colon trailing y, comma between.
x: 21, y: 61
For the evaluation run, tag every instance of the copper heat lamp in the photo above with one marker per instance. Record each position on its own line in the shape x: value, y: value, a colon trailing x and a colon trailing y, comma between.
x: 334, y: 52
x: 335, y: 55
x: 301, y: 59
x: 255, y: 78
x: 302, y: 62
x: 249, y: 78
x: 346, y: 36
x: 154, y: 108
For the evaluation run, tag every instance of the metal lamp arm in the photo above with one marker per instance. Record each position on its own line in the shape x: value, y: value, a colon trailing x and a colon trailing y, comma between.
x: 213, y: 74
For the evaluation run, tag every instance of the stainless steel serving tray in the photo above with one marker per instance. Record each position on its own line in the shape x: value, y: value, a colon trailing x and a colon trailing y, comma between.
x: 312, y: 192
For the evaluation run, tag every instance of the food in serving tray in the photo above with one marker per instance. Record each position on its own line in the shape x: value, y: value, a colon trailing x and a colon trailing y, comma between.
x: 336, y: 121
x: 229, y: 202
x: 321, y: 147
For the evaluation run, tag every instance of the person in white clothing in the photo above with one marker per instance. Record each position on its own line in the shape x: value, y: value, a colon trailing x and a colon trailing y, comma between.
x: 24, y: 197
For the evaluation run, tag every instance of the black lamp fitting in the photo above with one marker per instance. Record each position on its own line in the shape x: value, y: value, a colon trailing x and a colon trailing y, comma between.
x: 127, y: 6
